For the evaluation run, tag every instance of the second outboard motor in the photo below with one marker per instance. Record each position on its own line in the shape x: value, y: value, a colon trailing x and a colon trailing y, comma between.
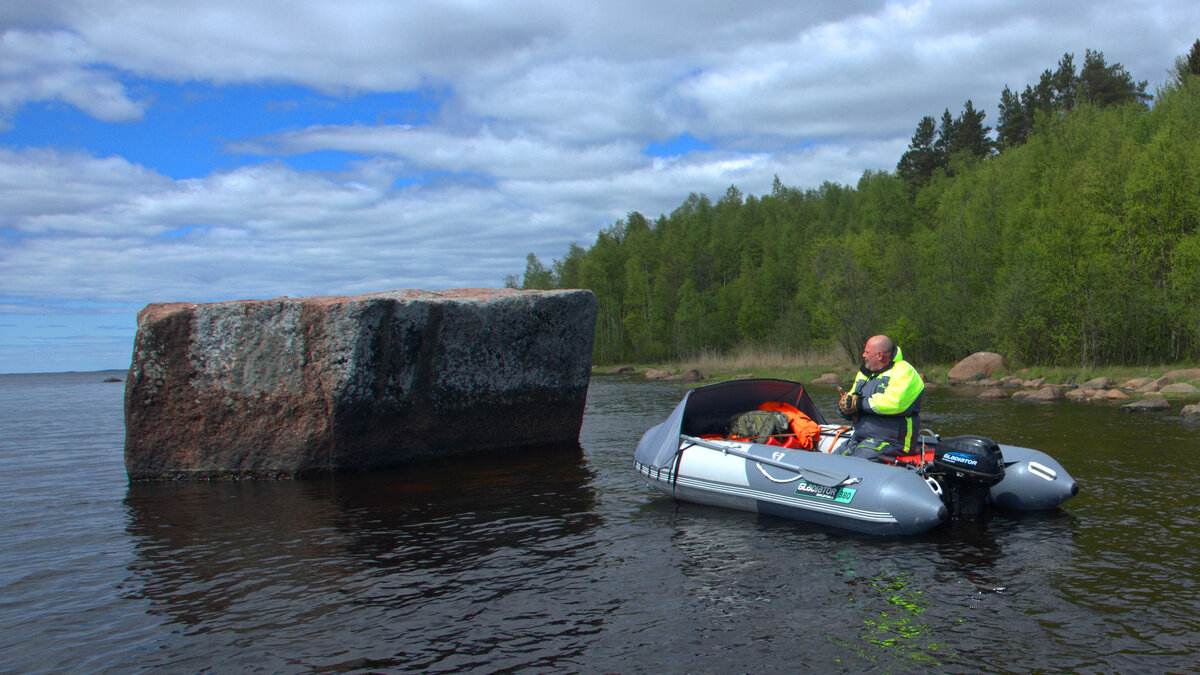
x: 968, y: 466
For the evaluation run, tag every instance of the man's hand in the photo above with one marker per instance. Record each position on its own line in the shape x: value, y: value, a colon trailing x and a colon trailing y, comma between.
x: 850, y: 405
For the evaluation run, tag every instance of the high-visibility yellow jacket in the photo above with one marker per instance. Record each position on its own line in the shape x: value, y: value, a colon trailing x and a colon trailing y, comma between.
x: 891, y: 405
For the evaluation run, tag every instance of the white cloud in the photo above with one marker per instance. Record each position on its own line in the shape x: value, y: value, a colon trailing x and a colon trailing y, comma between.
x: 480, y: 152
x: 59, y: 66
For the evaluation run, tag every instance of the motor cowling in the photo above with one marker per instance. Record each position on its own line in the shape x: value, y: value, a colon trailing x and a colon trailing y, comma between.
x: 967, y: 467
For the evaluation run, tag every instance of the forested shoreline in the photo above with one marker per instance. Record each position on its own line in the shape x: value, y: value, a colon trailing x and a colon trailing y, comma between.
x: 1071, y: 237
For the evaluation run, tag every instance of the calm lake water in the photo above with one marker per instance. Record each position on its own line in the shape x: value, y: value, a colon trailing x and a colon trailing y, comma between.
x: 569, y: 563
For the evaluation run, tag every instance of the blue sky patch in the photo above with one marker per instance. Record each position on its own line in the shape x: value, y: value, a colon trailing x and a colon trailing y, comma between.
x: 678, y: 146
x: 186, y: 128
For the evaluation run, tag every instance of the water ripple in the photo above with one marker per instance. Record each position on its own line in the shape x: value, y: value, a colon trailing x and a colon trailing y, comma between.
x: 564, y: 561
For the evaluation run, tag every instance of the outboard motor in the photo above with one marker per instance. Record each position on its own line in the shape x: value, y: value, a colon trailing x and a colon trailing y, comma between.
x: 968, y: 466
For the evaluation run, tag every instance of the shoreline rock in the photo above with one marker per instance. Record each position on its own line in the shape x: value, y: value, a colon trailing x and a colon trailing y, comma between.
x: 292, y: 387
x: 1191, y: 413
x: 976, y: 366
x: 1152, y: 404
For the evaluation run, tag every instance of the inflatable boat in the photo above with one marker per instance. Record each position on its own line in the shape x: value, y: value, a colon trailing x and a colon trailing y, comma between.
x: 703, y: 453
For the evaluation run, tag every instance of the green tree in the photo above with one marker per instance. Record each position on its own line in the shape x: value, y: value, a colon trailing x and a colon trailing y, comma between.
x: 970, y: 134
x: 1064, y: 83
x: 1013, y: 125
x: 568, y: 271
x: 689, y: 320
x: 603, y: 271
x: 947, y: 138
x: 918, y: 163
x: 537, y: 276
x: 1104, y: 85
x: 1187, y: 65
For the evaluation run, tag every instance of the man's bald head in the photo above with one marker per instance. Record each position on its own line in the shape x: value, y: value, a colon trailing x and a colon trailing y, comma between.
x: 879, y: 352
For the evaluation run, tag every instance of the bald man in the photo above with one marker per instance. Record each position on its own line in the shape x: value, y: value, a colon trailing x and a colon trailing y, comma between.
x: 884, y: 403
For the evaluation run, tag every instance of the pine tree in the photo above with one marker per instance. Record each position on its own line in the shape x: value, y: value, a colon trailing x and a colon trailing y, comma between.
x: 970, y: 136
x: 917, y: 165
x: 1012, y: 128
x: 946, y: 134
x: 1104, y: 85
x: 1064, y: 83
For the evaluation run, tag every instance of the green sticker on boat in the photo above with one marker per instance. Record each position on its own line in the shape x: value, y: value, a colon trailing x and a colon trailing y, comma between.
x: 842, y: 495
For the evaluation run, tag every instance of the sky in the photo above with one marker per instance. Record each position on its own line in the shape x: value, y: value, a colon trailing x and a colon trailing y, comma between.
x: 212, y: 150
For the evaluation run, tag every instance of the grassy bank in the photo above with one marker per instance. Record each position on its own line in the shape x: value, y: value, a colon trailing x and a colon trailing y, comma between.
x: 808, y: 366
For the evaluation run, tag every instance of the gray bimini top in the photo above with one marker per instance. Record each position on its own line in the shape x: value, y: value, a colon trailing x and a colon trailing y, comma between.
x: 706, y: 410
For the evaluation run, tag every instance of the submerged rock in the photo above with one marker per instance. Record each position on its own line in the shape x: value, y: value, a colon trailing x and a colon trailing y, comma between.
x: 1153, y: 404
x: 290, y: 387
x: 1191, y: 413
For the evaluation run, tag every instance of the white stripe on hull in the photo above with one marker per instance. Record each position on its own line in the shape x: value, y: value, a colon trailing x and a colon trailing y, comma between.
x: 745, y: 498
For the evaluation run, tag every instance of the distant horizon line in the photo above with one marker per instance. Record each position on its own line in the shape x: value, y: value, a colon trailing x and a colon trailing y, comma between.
x: 70, y: 372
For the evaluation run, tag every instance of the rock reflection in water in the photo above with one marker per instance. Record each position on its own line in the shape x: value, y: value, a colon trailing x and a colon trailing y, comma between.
x: 411, y: 569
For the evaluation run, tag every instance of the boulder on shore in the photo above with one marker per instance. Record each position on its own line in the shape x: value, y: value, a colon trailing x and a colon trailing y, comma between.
x: 1097, y: 383
x: 1183, y: 375
x: 1180, y: 389
x: 1136, y: 383
x: 300, y: 386
x: 1047, y: 394
x: 976, y: 366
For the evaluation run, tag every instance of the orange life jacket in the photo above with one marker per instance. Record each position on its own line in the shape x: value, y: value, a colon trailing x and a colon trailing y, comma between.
x: 805, y: 431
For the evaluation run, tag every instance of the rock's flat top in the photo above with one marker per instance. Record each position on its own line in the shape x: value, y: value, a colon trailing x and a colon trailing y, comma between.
x: 155, y: 309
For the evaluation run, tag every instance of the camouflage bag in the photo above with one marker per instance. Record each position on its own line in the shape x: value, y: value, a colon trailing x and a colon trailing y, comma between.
x: 758, y: 425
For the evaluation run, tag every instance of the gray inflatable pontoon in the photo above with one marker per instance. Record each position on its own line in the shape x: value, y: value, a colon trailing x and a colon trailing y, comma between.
x: 955, y: 479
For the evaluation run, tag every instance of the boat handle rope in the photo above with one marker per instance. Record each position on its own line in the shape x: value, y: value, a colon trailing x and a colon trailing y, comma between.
x: 675, y: 470
x: 832, y: 444
x: 772, y: 478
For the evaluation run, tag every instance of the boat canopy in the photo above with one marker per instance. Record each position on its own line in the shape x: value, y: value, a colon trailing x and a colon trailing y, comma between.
x: 707, y: 410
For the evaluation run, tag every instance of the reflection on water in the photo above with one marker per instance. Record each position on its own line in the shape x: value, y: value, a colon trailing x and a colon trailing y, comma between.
x: 419, y: 560
x: 564, y: 561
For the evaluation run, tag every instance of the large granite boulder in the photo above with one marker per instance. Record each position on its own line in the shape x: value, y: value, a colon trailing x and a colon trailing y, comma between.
x: 290, y: 387
x: 976, y: 366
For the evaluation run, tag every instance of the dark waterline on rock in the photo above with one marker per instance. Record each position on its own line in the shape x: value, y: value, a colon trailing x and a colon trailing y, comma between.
x: 567, y: 562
